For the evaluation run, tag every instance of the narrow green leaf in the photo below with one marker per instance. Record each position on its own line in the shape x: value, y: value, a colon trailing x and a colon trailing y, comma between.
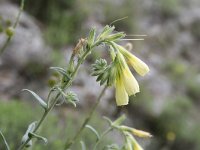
x: 93, y: 130
x: 4, y: 140
x: 108, y: 120
x: 83, y: 146
x: 61, y: 71
x: 33, y: 135
x: 38, y: 98
x: 119, y: 120
x: 30, y: 128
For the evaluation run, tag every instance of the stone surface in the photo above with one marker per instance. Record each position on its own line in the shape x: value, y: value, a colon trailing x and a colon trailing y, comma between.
x: 26, y: 57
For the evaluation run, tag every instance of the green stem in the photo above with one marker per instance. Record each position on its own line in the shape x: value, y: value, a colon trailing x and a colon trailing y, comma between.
x: 101, y: 137
x: 4, y: 140
x: 41, y: 121
x: 14, y: 26
x: 71, y: 142
x: 19, y: 14
x: 57, y: 96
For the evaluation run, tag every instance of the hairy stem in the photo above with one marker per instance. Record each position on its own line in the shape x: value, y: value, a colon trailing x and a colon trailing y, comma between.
x: 87, y: 52
x: 71, y: 142
x: 4, y: 140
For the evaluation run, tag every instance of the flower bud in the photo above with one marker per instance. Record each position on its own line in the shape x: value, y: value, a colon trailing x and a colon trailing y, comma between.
x: 134, y: 143
x: 136, y: 132
x: 10, y: 31
x: 91, y: 37
x: 114, y: 37
x: 106, y: 31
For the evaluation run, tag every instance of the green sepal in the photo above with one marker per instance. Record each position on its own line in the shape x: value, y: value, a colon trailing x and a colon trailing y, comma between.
x: 106, y: 31
x: 112, y: 75
x: 98, y: 72
x: 69, y: 97
x: 91, y: 37
x: 104, y: 77
x: 116, y: 36
x: 99, y: 77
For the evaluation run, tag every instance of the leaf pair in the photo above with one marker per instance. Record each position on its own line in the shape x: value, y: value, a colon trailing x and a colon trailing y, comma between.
x: 29, y: 134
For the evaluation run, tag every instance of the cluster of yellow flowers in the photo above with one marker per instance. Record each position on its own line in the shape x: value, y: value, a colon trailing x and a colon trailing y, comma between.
x: 126, y: 84
x: 131, y: 143
x: 129, y: 134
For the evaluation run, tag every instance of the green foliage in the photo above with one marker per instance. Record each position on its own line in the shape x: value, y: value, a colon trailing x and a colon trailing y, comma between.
x: 15, y: 116
x: 60, y: 18
x: 62, y: 22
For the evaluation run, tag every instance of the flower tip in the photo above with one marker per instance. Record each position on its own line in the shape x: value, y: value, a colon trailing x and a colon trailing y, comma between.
x: 122, y: 103
x: 145, y: 70
x: 142, y: 134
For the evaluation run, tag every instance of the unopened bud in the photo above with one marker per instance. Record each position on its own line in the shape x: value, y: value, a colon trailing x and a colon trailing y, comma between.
x: 91, y: 37
x: 10, y: 31
x: 136, y: 132
x: 106, y: 31
x: 114, y: 37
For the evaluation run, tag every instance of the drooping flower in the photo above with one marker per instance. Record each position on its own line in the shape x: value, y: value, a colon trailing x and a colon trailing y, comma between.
x: 132, y: 144
x: 125, y: 84
x: 136, y: 145
x: 120, y: 94
x: 140, y: 67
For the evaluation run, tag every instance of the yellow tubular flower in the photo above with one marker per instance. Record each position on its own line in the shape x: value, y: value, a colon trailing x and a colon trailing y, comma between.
x: 129, y: 145
x: 136, y: 132
x: 140, y: 67
x: 141, y: 133
x: 125, y: 84
x: 130, y: 83
x: 121, y: 94
x: 134, y: 143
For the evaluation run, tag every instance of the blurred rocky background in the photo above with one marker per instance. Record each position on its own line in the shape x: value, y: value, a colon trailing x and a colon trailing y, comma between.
x: 169, y: 103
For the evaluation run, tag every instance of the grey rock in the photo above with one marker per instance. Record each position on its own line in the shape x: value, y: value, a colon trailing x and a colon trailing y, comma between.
x: 25, y: 60
x: 27, y: 44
